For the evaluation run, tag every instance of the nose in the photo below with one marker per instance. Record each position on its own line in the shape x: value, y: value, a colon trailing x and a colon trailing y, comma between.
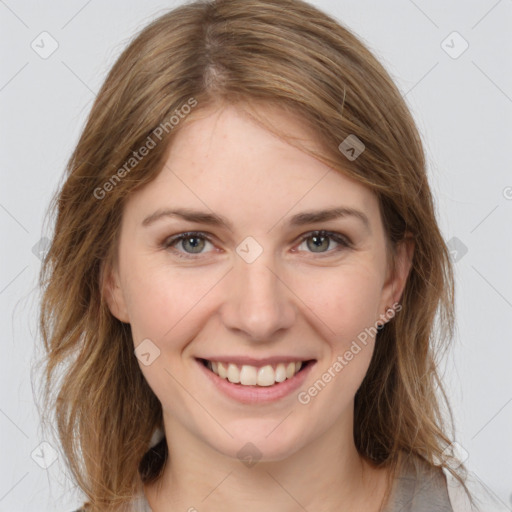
x: 258, y: 302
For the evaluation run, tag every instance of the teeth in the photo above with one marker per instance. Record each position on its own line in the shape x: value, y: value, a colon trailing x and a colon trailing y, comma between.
x: 249, y: 375
x: 233, y: 374
x: 266, y: 376
x: 280, y: 373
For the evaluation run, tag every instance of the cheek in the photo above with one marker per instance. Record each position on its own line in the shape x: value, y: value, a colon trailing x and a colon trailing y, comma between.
x: 344, y: 300
x: 161, y: 300
x: 345, y: 307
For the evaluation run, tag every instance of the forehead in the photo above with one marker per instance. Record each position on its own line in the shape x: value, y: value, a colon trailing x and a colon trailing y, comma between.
x: 224, y: 161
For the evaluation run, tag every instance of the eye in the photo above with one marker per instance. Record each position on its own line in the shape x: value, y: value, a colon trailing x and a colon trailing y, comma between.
x: 320, y: 241
x: 191, y: 242
x: 186, y: 245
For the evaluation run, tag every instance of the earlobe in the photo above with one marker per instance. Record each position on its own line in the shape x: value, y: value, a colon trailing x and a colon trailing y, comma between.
x: 113, y: 294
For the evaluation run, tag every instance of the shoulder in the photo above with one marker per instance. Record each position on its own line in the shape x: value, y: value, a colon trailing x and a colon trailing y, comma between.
x: 419, y: 487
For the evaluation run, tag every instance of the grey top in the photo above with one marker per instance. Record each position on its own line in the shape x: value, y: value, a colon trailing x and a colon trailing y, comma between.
x: 417, y: 488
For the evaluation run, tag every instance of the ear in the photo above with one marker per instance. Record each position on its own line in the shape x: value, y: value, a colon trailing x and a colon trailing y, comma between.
x: 397, y: 275
x: 110, y: 286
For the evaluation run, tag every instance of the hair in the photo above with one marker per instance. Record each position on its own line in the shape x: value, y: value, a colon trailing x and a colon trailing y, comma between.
x: 281, y: 53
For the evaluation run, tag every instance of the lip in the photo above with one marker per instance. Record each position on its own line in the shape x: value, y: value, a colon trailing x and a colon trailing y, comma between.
x: 241, y: 360
x: 257, y: 394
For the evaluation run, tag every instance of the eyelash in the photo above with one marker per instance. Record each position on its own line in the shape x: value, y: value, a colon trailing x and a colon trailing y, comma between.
x: 170, y: 242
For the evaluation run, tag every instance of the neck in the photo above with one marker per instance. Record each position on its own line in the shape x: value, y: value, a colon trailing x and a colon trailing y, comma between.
x: 327, y: 475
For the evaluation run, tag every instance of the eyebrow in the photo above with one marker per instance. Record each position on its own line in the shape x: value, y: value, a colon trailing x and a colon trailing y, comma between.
x: 300, y: 219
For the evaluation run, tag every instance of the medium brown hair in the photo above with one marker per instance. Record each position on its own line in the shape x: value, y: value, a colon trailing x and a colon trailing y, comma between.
x: 284, y: 53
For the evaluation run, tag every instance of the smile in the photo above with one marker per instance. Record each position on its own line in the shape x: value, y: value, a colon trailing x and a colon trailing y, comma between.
x: 256, y: 384
x: 248, y: 375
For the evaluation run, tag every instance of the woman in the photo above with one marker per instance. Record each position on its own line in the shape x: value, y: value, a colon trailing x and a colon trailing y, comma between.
x: 245, y: 274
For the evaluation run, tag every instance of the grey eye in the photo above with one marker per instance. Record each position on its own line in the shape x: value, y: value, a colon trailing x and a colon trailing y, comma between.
x: 195, y: 243
x: 320, y: 242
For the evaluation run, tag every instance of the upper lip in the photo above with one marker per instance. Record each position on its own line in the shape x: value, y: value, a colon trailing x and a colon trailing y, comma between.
x: 252, y: 361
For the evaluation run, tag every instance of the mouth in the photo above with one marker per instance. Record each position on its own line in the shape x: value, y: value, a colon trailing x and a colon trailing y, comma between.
x: 266, y: 375
x: 257, y: 383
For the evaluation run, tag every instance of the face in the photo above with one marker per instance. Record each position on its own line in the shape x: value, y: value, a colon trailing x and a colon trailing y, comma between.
x: 252, y: 283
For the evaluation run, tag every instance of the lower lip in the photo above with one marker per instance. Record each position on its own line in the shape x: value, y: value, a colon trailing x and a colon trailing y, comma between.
x: 257, y: 394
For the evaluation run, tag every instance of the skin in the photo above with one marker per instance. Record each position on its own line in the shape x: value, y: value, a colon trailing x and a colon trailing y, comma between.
x: 292, y: 300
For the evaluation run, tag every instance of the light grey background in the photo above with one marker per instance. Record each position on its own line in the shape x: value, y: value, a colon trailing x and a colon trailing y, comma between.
x: 462, y: 103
